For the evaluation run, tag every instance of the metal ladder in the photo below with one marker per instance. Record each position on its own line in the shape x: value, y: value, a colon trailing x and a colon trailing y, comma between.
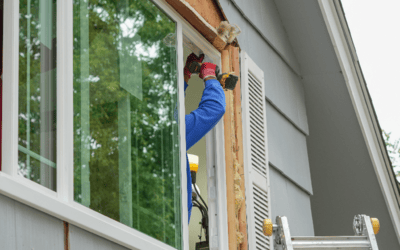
x: 364, y: 228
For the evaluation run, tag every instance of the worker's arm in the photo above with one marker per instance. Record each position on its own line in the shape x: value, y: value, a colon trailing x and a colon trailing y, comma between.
x: 207, y: 115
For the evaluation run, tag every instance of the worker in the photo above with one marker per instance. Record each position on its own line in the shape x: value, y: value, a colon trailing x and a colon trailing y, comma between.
x: 206, y: 116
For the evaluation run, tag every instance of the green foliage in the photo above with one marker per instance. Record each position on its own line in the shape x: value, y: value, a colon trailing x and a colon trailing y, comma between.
x: 393, y: 148
x: 37, y: 74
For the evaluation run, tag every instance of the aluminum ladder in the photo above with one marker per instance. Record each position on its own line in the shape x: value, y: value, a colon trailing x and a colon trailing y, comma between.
x: 364, y: 228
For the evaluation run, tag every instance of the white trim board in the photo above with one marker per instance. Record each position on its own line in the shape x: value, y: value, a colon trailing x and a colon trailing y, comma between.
x: 9, y: 146
x: 215, y: 148
x: 216, y: 188
x: 362, y: 107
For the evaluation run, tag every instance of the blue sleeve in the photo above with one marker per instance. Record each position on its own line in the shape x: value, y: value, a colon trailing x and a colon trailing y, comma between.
x: 186, y: 85
x: 200, y: 121
x: 189, y: 188
x: 206, y: 116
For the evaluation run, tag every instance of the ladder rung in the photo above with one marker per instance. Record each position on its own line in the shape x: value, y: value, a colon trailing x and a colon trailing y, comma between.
x: 331, y: 242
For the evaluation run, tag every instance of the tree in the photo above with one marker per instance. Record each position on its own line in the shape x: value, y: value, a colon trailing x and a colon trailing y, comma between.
x: 393, y: 148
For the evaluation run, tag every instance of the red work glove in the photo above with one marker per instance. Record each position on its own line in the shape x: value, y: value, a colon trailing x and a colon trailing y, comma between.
x: 192, y: 58
x: 208, y: 69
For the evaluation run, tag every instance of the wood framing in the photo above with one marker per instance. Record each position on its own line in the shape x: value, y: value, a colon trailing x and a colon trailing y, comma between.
x: 234, y: 55
x: 237, y: 226
x: 229, y: 154
x: 209, y: 10
x: 189, y: 13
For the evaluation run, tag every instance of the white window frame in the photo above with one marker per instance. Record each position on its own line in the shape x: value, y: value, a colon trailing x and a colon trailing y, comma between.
x: 61, y: 204
x: 215, y: 149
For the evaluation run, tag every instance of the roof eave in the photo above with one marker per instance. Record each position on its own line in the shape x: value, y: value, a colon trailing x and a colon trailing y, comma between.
x: 339, y: 32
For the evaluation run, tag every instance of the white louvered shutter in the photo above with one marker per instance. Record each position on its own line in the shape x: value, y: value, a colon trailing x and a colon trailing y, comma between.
x: 255, y: 152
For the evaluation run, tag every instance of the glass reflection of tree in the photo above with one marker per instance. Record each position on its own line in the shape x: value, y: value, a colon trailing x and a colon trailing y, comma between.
x: 152, y: 130
x: 37, y: 92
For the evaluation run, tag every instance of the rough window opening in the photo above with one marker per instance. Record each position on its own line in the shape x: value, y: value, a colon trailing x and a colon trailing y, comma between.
x: 192, y: 100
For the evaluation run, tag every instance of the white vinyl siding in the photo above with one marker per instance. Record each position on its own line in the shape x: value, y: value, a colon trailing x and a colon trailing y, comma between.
x: 255, y: 152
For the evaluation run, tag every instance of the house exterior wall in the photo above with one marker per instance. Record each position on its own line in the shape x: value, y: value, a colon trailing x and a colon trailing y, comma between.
x: 265, y: 40
x: 269, y: 37
x: 291, y: 201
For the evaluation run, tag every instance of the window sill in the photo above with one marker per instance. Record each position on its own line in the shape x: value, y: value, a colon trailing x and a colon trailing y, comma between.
x: 32, y: 194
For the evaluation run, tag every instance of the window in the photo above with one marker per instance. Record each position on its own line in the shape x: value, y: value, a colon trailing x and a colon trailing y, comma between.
x: 211, y: 178
x: 37, y: 92
x: 126, y: 140
x: 88, y: 133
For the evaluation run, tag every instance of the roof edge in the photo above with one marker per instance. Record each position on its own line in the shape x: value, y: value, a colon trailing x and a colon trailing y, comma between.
x: 339, y: 33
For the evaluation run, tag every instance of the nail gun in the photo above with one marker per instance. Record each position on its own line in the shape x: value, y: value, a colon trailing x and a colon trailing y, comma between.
x: 227, y: 80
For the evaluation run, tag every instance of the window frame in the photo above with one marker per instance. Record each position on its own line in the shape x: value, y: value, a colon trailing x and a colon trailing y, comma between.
x: 215, y: 150
x: 61, y: 204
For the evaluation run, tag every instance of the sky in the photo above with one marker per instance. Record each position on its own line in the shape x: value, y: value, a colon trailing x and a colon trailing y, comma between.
x: 375, y: 29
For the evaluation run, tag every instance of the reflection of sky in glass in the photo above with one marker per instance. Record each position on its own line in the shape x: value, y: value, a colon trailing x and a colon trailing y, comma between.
x: 129, y: 28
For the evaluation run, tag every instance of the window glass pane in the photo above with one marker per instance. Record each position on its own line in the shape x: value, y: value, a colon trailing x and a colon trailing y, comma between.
x: 126, y: 140
x: 37, y: 92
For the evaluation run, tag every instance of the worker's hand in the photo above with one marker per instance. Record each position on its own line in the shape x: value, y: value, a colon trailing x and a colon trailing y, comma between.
x: 208, y: 70
x: 191, y: 58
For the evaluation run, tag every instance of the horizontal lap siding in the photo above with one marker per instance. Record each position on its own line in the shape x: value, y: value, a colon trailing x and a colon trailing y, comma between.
x: 282, y: 84
x: 289, y: 200
x: 22, y: 227
x: 82, y: 239
x: 287, y: 148
x: 264, y: 16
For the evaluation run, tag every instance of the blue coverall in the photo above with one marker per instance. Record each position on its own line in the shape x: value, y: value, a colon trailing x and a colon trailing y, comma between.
x: 200, y: 121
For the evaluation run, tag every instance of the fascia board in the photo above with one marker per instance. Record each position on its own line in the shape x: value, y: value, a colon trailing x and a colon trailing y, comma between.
x: 346, y: 55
